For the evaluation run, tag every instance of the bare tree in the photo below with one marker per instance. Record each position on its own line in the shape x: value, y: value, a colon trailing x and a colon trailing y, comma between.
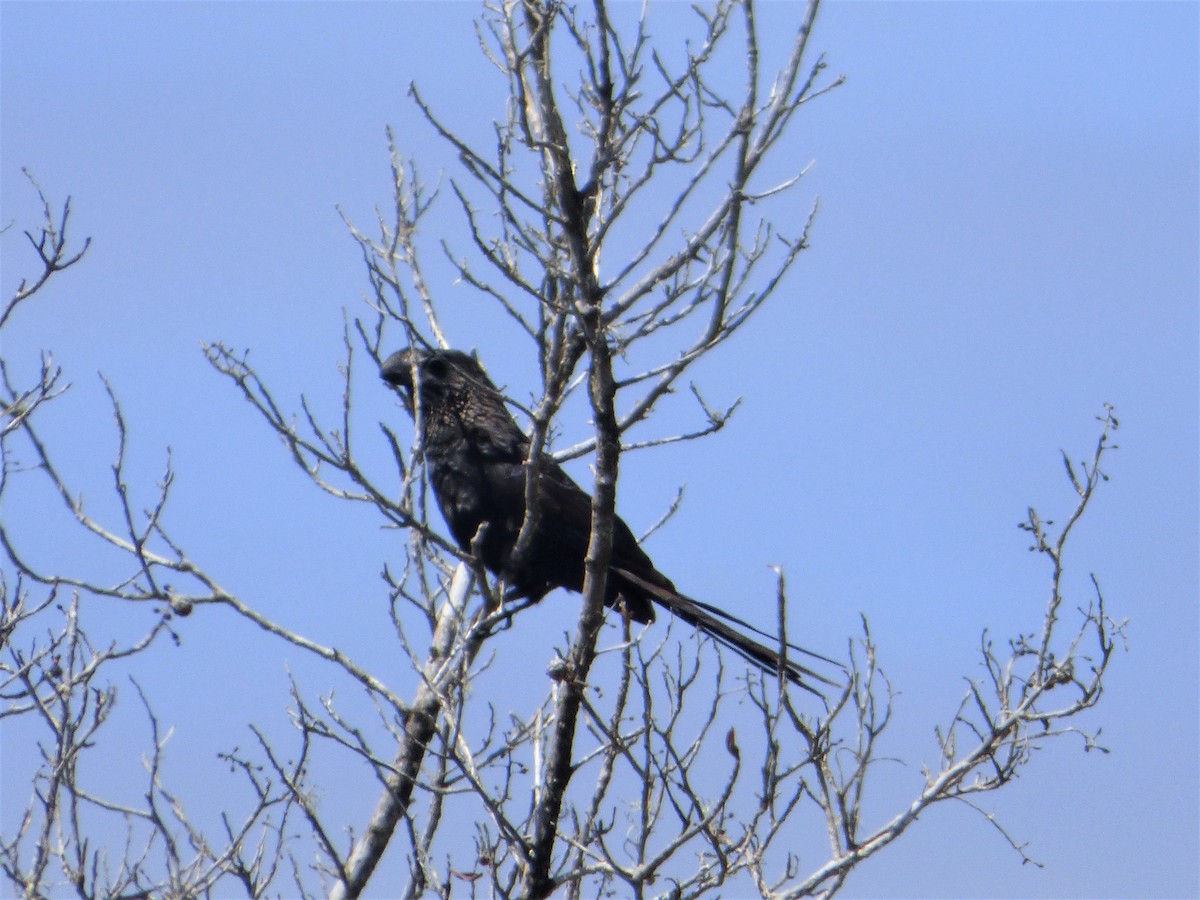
x: 636, y: 772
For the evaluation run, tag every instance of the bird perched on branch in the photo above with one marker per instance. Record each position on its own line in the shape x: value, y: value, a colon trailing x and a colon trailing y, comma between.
x: 477, y: 458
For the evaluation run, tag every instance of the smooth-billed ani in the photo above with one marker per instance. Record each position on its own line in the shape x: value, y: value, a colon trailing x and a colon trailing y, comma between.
x: 477, y: 462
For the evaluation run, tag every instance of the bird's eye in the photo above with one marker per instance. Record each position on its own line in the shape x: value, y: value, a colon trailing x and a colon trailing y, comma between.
x: 435, y: 368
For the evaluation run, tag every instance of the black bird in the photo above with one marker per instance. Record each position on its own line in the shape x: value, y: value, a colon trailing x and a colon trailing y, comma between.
x: 477, y: 461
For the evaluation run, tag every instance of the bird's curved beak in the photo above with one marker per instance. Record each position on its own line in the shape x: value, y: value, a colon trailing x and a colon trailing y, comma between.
x: 397, y: 371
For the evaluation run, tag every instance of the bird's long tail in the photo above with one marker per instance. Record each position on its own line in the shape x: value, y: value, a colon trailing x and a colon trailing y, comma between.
x: 719, y: 625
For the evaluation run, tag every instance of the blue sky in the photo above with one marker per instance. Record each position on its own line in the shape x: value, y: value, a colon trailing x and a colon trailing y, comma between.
x: 1007, y: 240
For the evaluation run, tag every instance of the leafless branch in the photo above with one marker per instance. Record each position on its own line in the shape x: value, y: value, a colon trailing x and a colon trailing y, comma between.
x: 50, y: 244
x: 649, y: 765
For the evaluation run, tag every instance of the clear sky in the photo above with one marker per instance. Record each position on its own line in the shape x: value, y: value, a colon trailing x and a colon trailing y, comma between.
x: 1007, y: 240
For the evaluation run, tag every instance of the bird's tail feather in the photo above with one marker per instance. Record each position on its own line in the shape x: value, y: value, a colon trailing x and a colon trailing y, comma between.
x: 716, y: 624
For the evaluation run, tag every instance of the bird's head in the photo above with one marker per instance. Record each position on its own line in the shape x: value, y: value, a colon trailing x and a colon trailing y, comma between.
x: 436, y: 374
